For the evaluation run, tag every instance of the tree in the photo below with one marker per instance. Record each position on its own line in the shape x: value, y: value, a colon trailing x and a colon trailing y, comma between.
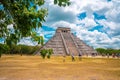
x: 108, y: 51
x: 24, y: 16
x: 37, y: 38
x: 101, y: 51
x: 4, y: 49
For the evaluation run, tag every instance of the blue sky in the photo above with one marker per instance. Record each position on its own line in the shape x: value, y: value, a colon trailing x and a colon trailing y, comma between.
x: 96, y: 22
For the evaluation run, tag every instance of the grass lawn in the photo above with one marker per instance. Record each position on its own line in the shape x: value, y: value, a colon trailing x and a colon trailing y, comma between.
x: 35, y: 68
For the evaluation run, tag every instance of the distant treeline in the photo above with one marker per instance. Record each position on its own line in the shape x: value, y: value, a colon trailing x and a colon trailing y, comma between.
x: 29, y: 50
x: 109, y: 51
x: 18, y: 49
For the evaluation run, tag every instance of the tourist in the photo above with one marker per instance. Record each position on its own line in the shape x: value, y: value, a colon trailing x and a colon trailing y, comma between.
x: 108, y: 55
x: 93, y: 54
x: 64, y: 58
x: 113, y: 55
x: 80, y: 57
x: 73, y: 59
x: 118, y: 55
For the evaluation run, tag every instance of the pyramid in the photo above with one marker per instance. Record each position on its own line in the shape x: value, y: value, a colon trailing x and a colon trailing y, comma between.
x: 66, y: 43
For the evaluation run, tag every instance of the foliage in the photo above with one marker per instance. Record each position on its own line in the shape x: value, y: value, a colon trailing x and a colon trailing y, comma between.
x: 109, y: 51
x: 46, y: 52
x: 4, y: 48
x: 50, y: 52
x: 29, y: 50
x: 24, y: 15
x: 62, y: 2
x: 37, y: 38
x: 100, y: 50
x: 17, y: 49
x: 43, y: 53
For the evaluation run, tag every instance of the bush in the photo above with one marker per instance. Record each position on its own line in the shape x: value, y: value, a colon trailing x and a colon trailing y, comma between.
x: 50, y: 52
x: 4, y: 49
x: 17, y: 49
x: 108, y: 51
x: 29, y: 50
x: 46, y: 52
x: 43, y: 53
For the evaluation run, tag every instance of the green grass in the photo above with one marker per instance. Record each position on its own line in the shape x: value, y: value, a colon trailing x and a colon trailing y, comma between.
x: 35, y: 68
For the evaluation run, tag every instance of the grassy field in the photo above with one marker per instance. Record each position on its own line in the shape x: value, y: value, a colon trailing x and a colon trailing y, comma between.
x: 35, y: 68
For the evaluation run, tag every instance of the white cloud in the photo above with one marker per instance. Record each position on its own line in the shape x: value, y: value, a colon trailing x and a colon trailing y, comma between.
x: 98, y: 39
x: 27, y: 41
x: 10, y: 26
x: 63, y: 24
x: 57, y: 13
x: 88, y: 23
x: 46, y: 34
x: 113, y: 14
x: 110, y: 27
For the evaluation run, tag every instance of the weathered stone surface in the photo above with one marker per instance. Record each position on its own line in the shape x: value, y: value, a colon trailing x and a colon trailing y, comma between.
x: 65, y: 43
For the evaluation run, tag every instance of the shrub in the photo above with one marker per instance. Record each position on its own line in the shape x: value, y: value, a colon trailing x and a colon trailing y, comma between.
x: 43, y: 53
x: 50, y: 52
x: 46, y: 52
x: 17, y: 49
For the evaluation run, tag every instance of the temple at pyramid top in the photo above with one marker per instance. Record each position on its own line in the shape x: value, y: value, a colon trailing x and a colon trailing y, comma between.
x: 65, y: 43
x: 62, y: 29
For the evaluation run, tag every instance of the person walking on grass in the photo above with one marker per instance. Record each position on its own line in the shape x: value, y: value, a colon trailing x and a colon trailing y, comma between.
x: 64, y: 58
x: 80, y: 57
x: 73, y: 59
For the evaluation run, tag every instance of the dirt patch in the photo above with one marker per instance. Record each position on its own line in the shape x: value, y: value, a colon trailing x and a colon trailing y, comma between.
x: 36, y: 68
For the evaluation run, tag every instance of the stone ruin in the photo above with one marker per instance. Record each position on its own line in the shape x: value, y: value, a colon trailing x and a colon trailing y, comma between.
x: 66, y: 43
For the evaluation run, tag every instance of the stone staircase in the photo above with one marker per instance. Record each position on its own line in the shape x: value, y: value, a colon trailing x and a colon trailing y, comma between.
x: 70, y: 44
x: 56, y: 44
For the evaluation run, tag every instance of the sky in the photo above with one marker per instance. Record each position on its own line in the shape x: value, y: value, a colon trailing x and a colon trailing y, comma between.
x: 96, y: 22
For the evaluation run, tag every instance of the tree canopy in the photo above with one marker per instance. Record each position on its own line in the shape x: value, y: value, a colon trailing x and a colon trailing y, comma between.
x: 109, y: 51
x: 24, y: 16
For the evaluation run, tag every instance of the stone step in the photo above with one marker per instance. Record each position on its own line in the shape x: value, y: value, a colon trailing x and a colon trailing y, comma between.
x: 70, y: 44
